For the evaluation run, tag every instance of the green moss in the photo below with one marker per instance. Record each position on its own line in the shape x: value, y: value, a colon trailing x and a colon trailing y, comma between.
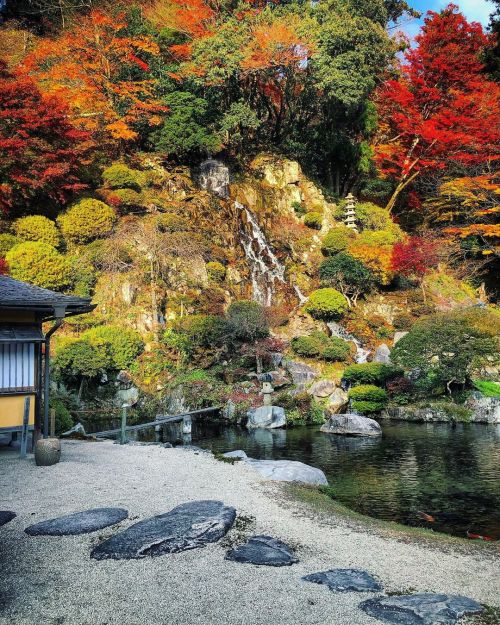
x: 221, y: 458
x: 487, y: 388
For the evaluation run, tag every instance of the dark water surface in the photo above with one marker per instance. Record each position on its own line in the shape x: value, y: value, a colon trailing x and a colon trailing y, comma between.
x: 451, y: 474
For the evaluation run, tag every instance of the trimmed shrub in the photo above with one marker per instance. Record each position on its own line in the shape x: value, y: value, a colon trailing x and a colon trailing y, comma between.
x: 216, y: 271
x: 247, y: 321
x: 7, y: 242
x: 371, y: 372
x: 83, y: 276
x: 39, y: 264
x: 337, y: 350
x: 313, y: 220
x: 86, y: 220
x: 127, y: 197
x: 337, y: 240
x: 347, y: 274
x: 82, y: 358
x: 326, y: 304
x: 124, y: 344
x: 64, y: 420
x: 197, y: 331
x: 120, y: 176
x: 37, y: 228
x: 368, y: 399
x: 310, y: 346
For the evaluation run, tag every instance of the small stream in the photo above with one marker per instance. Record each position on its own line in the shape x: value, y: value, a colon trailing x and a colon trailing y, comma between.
x: 452, y: 474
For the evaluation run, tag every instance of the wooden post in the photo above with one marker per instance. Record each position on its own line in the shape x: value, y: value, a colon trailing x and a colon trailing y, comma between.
x: 123, y: 436
x: 52, y: 423
x: 24, y: 432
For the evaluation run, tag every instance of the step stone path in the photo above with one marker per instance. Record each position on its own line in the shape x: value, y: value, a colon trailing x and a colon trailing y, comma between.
x: 421, y: 609
x: 78, y: 523
x: 263, y: 550
x: 6, y: 516
x: 346, y: 580
x: 197, y: 523
x: 188, y: 526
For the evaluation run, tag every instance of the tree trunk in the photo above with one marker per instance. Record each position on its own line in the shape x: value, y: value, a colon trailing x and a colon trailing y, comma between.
x: 401, y: 187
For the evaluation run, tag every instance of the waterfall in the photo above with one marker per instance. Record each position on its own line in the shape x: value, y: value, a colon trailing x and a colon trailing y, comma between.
x: 361, y: 353
x: 265, y: 268
x: 300, y: 295
x: 214, y: 177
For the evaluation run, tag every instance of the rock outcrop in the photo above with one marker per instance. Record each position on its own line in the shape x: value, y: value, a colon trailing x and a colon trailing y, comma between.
x: 351, y: 425
x: 484, y: 409
x: 266, y: 417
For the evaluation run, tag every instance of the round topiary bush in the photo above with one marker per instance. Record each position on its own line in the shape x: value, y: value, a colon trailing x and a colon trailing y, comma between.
x: 326, y: 304
x: 64, y: 420
x: 124, y: 344
x: 313, y: 220
x: 37, y: 228
x: 337, y: 240
x: 39, y: 264
x: 368, y: 399
x: 125, y: 198
x: 337, y: 350
x: 120, y: 176
x: 371, y: 372
x: 86, y: 220
x: 216, y: 271
x: 7, y: 242
x: 309, y: 346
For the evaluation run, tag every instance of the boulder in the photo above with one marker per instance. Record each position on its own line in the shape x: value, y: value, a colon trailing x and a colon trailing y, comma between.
x: 351, y: 425
x: 302, y: 375
x: 78, y: 522
x: 421, y: 609
x: 263, y: 550
x: 188, y: 526
x: 346, y: 580
x: 266, y: 417
x: 337, y: 402
x: 237, y: 453
x: 288, y: 471
x: 6, y: 516
x: 382, y: 354
x: 485, y: 409
x: 322, y: 388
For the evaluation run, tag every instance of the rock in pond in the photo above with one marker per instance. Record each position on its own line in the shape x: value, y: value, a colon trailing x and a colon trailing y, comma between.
x: 346, y: 580
x: 78, y: 522
x: 351, y: 425
x: 6, y: 516
x: 237, y: 453
x: 263, y: 550
x: 266, y: 417
x: 289, y: 471
x: 188, y: 526
x: 421, y: 609
x: 484, y: 409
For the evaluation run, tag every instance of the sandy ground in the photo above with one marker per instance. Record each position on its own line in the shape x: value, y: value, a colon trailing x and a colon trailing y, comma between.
x: 53, y: 581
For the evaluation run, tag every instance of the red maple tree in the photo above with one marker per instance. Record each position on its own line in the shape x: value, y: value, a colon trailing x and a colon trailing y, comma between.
x: 442, y: 111
x: 413, y: 258
x: 40, y: 150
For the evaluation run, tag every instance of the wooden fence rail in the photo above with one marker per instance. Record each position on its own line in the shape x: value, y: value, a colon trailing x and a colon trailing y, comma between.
x: 158, y: 421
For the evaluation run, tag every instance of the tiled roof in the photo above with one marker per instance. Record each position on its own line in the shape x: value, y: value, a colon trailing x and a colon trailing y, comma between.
x: 16, y: 294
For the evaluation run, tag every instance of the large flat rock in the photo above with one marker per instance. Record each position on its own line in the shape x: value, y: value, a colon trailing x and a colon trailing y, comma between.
x: 266, y: 417
x: 78, y: 522
x: 346, y: 580
x: 421, y: 609
x: 189, y: 526
x: 351, y: 425
x: 6, y: 516
x: 288, y: 471
x: 263, y: 550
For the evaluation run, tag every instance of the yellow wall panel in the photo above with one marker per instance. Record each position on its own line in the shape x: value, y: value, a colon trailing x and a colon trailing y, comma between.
x: 12, y: 410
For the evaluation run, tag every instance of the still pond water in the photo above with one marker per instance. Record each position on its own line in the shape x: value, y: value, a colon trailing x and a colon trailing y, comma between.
x: 452, y: 474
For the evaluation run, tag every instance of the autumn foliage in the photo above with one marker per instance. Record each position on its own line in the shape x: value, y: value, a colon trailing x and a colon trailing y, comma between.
x: 414, y: 258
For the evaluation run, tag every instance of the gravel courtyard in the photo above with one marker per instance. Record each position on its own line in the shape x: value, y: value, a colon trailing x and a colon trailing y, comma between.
x: 53, y: 581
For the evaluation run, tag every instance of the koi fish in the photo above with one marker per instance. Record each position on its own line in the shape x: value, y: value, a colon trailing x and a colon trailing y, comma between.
x: 473, y: 536
x: 426, y: 517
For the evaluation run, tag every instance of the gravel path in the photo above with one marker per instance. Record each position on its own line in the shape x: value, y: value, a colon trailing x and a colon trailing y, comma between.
x: 52, y: 580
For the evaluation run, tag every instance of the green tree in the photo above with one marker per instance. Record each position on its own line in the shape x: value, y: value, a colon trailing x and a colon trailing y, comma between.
x: 247, y: 321
x: 348, y: 275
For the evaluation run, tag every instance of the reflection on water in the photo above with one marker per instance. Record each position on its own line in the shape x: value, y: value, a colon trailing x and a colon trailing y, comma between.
x: 451, y: 474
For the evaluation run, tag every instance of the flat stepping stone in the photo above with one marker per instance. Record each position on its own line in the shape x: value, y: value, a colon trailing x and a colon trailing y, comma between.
x: 189, y: 526
x: 263, y: 550
x: 6, y: 516
x: 421, y: 609
x: 346, y: 580
x: 78, y: 522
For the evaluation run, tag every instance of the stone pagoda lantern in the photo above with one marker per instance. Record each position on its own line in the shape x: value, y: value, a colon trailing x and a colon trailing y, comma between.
x: 350, y: 212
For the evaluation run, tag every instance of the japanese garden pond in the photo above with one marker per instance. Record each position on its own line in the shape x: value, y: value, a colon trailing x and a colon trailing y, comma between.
x: 451, y: 474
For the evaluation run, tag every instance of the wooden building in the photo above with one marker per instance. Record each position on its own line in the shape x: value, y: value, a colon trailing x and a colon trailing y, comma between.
x: 25, y: 350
